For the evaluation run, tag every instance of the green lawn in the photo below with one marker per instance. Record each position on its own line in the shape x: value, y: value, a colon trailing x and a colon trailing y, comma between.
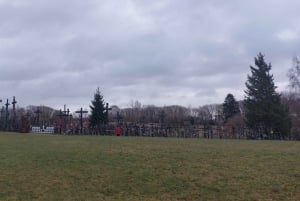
x: 45, y: 167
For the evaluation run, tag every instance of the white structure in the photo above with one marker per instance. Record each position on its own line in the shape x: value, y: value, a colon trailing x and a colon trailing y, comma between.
x: 47, y: 130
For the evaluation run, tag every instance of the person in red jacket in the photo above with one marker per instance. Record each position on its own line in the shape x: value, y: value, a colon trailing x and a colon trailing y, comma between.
x: 118, y: 131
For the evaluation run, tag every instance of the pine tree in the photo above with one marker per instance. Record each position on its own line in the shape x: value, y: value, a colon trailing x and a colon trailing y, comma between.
x: 264, y: 112
x: 97, y: 117
x: 230, y: 107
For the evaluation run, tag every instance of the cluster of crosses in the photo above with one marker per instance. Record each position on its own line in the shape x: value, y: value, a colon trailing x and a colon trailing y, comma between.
x: 9, y: 120
x: 9, y: 125
x: 64, y: 116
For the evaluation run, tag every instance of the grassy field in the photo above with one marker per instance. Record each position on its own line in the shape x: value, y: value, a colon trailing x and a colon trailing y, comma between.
x: 44, y: 167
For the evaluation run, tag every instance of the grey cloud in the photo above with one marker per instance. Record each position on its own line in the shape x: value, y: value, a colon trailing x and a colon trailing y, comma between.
x: 159, y: 52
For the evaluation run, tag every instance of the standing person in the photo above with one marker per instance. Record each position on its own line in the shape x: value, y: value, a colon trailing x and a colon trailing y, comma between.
x: 118, y: 131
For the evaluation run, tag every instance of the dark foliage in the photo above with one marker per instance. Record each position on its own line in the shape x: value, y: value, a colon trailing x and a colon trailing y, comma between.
x: 230, y: 107
x: 98, y: 115
x: 264, y: 111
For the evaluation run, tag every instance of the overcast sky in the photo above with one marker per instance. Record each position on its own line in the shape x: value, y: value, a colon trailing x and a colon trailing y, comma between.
x: 162, y: 52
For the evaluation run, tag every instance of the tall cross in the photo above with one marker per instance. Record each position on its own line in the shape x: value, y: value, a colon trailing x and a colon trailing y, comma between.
x: 106, y: 113
x: 81, y: 112
x: 60, y: 115
x: 6, y: 113
x: 38, y: 112
x: 162, y: 118
x: 65, y: 115
x: 2, y: 112
x: 66, y: 111
x: 7, y: 104
x: 14, y: 102
x: 2, y: 116
x: 119, y: 117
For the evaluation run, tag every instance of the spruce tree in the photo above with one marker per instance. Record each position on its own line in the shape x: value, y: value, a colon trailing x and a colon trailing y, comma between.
x: 264, y: 112
x: 97, y: 117
x: 230, y: 107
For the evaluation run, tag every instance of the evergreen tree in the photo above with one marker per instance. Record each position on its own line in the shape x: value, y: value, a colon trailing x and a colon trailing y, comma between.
x: 230, y: 107
x: 264, y: 112
x: 98, y: 115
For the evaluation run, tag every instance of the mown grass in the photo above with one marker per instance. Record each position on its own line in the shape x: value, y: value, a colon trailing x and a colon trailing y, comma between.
x: 44, y: 167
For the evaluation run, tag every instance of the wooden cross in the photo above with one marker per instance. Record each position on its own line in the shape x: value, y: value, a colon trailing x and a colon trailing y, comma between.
x: 66, y: 113
x: 119, y: 117
x: 162, y: 118
x: 60, y: 115
x: 106, y: 113
x: 2, y: 117
x: 63, y: 114
x: 14, y: 102
x: 7, y: 104
x: 2, y: 112
x: 81, y: 112
x: 6, y: 113
x: 38, y: 112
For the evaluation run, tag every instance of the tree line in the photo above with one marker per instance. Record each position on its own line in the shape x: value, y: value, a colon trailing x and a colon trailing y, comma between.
x: 266, y: 113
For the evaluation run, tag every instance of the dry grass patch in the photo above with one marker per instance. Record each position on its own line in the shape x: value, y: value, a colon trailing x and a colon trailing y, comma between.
x: 39, y: 167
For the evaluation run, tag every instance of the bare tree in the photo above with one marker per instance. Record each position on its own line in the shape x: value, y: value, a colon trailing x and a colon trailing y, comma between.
x: 292, y: 98
x: 293, y: 103
x: 175, y: 115
x: 210, y: 111
x: 150, y: 113
x: 294, y: 76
